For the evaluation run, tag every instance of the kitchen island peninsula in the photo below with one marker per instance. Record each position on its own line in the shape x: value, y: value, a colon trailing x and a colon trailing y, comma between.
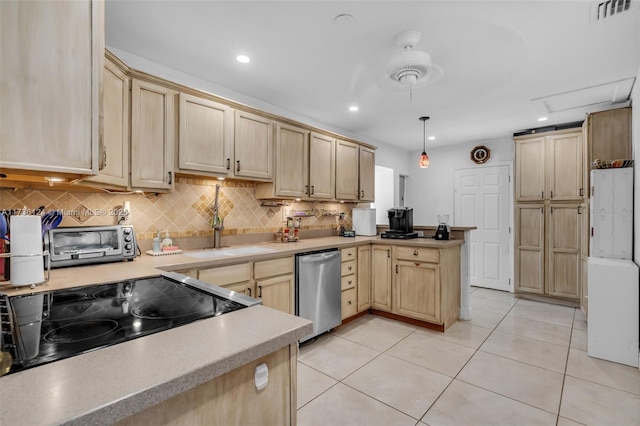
x: 177, y: 370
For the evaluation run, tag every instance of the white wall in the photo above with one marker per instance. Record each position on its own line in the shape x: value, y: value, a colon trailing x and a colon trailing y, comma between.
x: 635, y: 137
x: 430, y: 191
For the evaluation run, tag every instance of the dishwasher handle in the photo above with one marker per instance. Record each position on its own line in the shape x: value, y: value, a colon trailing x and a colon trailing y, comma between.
x: 319, y: 257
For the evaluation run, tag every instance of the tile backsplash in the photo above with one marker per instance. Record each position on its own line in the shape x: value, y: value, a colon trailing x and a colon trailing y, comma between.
x: 185, y: 212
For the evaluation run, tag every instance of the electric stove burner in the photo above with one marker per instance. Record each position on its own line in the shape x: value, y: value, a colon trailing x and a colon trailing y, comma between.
x: 74, y: 311
x: 81, y: 331
x: 162, y: 311
x: 78, y: 320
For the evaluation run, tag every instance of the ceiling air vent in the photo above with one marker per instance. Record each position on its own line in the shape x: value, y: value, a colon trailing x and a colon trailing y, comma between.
x: 609, y: 8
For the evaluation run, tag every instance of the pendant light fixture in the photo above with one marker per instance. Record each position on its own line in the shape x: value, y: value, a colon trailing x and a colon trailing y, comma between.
x: 424, y: 158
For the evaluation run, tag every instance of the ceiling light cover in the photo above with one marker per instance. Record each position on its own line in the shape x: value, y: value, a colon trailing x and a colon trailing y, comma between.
x: 424, y: 158
x: 409, y: 68
x: 243, y: 59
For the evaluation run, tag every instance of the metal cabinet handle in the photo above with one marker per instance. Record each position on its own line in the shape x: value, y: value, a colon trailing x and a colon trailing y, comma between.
x: 349, y: 254
x: 396, y: 269
x: 306, y: 189
x: 313, y: 191
x: 228, y: 163
x: 542, y: 196
x: 249, y: 290
x: 389, y: 253
x: 415, y: 252
x: 551, y: 194
x: 238, y: 166
x: 349, y: 268
x: 362, y: 192
x: 579, y: 209
x: 259, y: 291
x: 350, y: 281
x: 169, y: 177
x: 581, y: 192
x: 349, y: 302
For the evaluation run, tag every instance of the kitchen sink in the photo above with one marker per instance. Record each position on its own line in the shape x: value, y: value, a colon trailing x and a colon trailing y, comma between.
x: 212, y: 254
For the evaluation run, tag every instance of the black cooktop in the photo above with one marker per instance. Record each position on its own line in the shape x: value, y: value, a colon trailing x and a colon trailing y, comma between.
x: 78, y: 320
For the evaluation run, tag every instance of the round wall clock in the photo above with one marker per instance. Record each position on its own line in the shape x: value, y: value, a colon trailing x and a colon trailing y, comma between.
x: 480, y: 154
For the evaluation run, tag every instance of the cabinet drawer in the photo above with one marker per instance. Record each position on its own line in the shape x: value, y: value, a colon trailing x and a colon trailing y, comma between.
x: 270, y: 268
x: 349, y: 253
x: 225, y: 275
x: 348, y: 267
x: 348, y: 281
x: 349, y: 303
x: 418, y: 253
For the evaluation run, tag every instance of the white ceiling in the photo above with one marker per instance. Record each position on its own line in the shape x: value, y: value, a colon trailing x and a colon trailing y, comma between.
x: 504, y: 63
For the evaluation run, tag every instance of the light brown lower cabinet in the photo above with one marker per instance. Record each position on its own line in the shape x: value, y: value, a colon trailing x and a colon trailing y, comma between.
x: 550, y: 253
x: 417, y: 288
x: 275, y: 283
x: 349, y: 280
x: 364, y: 278
x: 272, y: 281
x: 381, y: 277
x: 232, y: 399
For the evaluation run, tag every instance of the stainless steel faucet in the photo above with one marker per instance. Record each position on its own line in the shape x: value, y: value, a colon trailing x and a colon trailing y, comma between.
x: 218, y: 224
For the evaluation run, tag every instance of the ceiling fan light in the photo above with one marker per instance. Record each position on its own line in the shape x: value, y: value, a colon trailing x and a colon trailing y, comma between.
x: 424, y: 160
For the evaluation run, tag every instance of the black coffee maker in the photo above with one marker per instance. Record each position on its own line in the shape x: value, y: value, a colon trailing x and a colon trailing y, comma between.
x: 400, y: 224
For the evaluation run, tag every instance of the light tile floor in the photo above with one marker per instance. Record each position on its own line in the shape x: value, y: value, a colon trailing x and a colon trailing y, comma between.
x: 517, y: 362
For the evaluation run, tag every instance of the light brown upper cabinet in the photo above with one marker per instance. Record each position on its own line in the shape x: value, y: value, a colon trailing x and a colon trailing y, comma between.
x: 51, y: 108
x: 253, y: 146
x: 347, y: 158
x: 305, y: 165
x: 322, y: 166
x: 292, y: 161
x: 366, y: 175
x: 609, y: 134
x: 152, y: 135
x: 550, y: 167
x: 205, y: 136
x: 355, y: 172
x: 115, y: 146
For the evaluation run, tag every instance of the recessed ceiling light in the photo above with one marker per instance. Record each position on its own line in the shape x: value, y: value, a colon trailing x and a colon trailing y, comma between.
x: 353, y: 108
x: 242, y: 59
x: 432, y: 138
x: 543, y: 118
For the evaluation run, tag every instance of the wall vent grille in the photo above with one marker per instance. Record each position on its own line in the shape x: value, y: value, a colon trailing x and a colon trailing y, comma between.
x: 609, y: 8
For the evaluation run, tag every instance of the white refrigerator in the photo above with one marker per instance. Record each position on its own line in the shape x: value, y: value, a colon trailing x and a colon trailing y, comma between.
x: 613, y: 317
x: 611, y: 213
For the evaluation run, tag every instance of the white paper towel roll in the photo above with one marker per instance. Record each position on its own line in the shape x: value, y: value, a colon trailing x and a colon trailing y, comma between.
x: 27, y: 266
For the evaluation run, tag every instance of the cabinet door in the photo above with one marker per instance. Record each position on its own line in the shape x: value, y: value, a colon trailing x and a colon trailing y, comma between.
x: 364, y: 278
x: 564, y: 259
x: 349, y: 303
x: 253, y: 146
x: 529, y: 256
x: 292, y: 159
x: 610, y: 134
x: 152, y: 135
x: 277, y: 293
x: 205, y: 135
x: 417, y: 286
x: 245, y: 288
x: 51, y: 66
x: 322, y: 166
x: 381, y: 278
x: 116, y: 104
x: 530, y: 174
x: 346, y: 170
x: 367, y: 174
x: 564, y: 167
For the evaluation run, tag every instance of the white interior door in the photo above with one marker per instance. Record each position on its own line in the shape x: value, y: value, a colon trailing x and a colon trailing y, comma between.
x: 482, y: 200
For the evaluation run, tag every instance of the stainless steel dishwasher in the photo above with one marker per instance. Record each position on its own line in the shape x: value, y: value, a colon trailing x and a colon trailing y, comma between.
x: 318, y: 290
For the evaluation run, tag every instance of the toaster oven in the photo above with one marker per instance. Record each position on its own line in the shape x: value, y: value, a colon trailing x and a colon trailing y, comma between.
x: 71, y: 246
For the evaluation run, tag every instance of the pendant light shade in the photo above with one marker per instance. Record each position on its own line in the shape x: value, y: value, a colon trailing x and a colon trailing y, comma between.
x: 424, y: 158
